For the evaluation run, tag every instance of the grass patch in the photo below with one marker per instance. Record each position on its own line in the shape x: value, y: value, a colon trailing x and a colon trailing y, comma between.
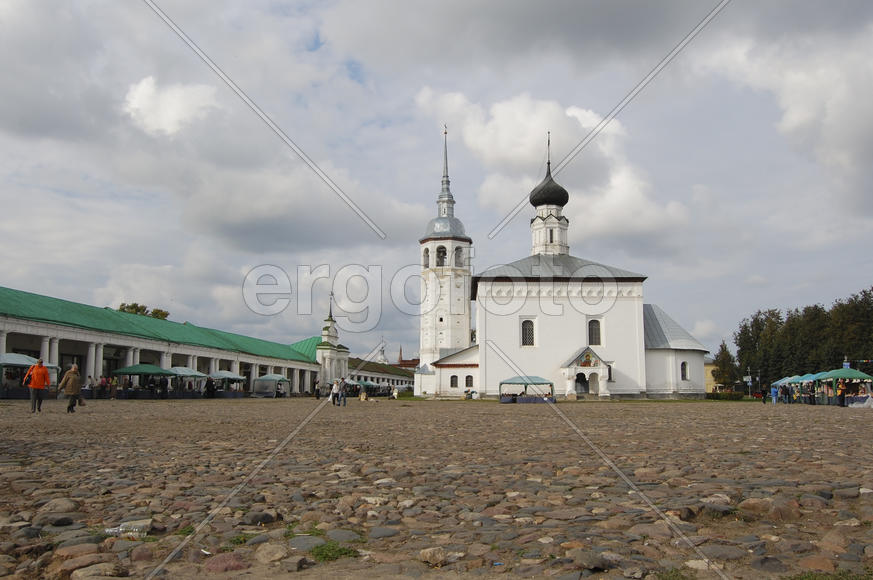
x: 330, y: 551
x: 150, y: 539
x: 289, y: 530
x: 186, y: 531
x: 240, y: 539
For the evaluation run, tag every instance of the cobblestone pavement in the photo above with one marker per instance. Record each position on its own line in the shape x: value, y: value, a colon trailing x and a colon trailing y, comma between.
x: 436, y: 489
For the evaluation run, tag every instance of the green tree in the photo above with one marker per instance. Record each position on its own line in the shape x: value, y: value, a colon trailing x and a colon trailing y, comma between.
x: 142, y: 309
x: 726, y: 371
x: 757, y: 344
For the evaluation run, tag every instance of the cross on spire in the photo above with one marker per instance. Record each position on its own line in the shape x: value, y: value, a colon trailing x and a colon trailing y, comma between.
x: 549, y: 147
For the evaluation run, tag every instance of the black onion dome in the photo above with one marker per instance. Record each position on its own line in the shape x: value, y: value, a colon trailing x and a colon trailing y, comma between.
x: 548, y: 192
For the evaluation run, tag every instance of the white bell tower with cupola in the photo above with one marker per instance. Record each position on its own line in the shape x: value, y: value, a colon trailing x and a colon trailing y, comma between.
x: 445, y: 252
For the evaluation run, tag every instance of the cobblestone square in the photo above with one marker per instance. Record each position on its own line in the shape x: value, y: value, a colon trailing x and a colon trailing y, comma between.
x: 434, y: 488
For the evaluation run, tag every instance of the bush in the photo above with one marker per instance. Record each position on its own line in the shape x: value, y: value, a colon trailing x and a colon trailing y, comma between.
x: 728, y: 396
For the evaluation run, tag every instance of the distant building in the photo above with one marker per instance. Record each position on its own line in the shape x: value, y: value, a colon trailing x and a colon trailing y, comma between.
x: 101, y: 340
x: 709, y: 373
x: 406, y: 363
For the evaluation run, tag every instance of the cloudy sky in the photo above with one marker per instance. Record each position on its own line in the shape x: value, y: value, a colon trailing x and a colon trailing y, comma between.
x: 738, y: 179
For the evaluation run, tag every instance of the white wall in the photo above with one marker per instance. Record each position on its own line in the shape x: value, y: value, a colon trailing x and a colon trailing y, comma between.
x: 663, y: 372
x: 561, y: 329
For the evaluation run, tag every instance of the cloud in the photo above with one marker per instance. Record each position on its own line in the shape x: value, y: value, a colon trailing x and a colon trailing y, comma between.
x: 167, y: 110
x: 818, y: 80
x: 605, y: 188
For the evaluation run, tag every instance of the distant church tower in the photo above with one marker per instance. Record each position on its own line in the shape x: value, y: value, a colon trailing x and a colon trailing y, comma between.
x: 446, y: 276
x: 330, y: 354
x: 549, y: 228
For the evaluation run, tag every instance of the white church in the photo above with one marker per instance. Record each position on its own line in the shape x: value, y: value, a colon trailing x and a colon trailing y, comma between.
x: 575, y: 327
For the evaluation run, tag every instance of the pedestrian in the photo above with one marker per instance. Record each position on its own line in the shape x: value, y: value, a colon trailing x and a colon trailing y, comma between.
x: 317, y: 389
x: 763, y: 394
x: 841, y: 393
x: 113, y: 388
x: 72, y: 387
x: 37, y: 380
x: 774, y: 393
x: 334, y: 393
x: 342, y: 391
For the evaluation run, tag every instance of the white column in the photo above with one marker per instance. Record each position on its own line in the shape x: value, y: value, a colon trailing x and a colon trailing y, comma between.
x: 89, y: 361
x: 253, y: 374
x: 213, y: 365
x: 98, y: 360
x: 44, y: 349
x: 192, y: 362
x: 135, y: 379
x: 307, y: 379
x: 53, y: 350
x: 295, y: 380
x: 166, y: 360
x: 2, y: 341
x: 234, y: 367
x: 128, y: 358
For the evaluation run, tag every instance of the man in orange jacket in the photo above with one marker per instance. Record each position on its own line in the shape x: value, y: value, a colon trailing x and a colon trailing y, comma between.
x: 39, y: 382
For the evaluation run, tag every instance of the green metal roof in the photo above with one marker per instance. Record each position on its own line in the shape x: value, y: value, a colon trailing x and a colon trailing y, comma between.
x: 306, y: 347
x: 19, y: 304
x: 360, y: 366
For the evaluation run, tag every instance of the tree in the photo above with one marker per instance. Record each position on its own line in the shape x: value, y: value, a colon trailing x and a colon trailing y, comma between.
x: 726, y: 371
x: 142, y: 309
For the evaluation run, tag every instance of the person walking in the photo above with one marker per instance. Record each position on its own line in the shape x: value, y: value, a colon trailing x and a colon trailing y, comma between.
x: 72, y: 387
x: 113, y: 388
x: 334, y: 393
x: 774, y: 393
x: 37, y: 380
x: 342, y: 391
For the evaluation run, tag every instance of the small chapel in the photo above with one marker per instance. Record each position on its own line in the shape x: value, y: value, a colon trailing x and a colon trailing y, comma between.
x: 562, y: 325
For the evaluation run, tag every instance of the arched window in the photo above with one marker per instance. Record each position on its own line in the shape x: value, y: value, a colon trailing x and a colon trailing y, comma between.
x: 468, y: 382
x: 593, y: 332
x: 527, y: 333
x: 441, y: 256
x: 683, y: 371
x: 454, y: 382
x: 425, y: 259
x: 459, y: 258
x: 609, y: 373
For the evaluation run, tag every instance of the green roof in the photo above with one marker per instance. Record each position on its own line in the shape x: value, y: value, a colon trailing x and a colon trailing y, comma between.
x: 19, y: 304
x: 306, y: 347
x: 360, y: 365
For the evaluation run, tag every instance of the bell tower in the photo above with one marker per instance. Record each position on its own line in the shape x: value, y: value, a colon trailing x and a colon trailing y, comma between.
x: 444, y: 254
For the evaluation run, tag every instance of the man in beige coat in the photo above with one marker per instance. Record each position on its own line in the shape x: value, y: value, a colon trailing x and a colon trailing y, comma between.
x: 72, y: 387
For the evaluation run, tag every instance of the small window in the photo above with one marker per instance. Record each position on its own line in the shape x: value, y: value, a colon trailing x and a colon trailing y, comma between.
x: 425, y: 260
x: 593, y: 332
x: 459, y: 258
x: 551, y: 236
x: 683, y: 371
x: 468, y: 382
x: 441, y: 256
x: 527, y: 333
x: 609, y: 373
x: 454, y: 381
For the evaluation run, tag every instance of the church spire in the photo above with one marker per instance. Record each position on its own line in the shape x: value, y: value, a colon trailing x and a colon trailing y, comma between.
x: 446, y: 160
x: 445, y: 201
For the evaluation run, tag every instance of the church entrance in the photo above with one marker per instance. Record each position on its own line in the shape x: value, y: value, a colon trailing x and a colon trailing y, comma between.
x: 581, y: 384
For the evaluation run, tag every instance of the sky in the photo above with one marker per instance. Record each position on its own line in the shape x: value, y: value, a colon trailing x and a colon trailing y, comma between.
x: 739, y: 178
